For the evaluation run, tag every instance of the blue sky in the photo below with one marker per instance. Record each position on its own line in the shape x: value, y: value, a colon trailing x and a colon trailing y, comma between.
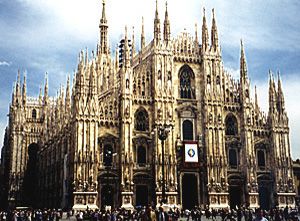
x: 39, y: 36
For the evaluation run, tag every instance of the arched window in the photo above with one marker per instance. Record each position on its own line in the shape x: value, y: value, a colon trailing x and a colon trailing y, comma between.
x: 33, y: 114
x: 141, y: 155
x: 186, y: 82
x: 187, y: 130
x: 169, y: 76
x: 141, y: 120
x: 143, y: 88
x: 232, y: 158
x: 261, y: 162
x: 107, y: 155
x: 208, y: 79
x: 159, y: 75
x: 247, y: 93
x: 218, y: 80
x: 231, y: 125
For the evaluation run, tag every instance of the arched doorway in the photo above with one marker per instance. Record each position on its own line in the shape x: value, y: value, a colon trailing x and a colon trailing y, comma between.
x: 235, y: 195
x: 143, y: 189
x: 107, y: 196
x: 31, y: 177
x: 108, y: 188
x: 189, y: 191
x: 236, y: 191
x: 264, y: 197
x: 264, y: 191
x: 142, y: 195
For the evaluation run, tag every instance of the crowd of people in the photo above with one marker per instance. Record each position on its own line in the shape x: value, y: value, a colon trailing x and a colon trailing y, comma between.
x: 152, y: 214
x: 27, y: 214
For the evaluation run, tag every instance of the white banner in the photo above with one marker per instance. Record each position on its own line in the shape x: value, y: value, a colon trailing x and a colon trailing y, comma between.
x: 191, y: 153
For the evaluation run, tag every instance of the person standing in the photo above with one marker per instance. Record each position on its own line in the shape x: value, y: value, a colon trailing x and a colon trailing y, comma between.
x: 239, y: 214
x: 80, y: 216
x: 162, y: 216
x: 260, y: 215
x: 150, y: 214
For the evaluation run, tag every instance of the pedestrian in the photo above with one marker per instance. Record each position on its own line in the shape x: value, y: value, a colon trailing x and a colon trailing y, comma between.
x: 151, y: 216
x: 162, y: 216
x: 79, y: 216
x: 260, y: 215
x: 239, y: 214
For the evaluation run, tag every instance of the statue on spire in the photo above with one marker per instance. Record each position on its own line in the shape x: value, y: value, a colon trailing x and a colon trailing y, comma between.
x: 214, y: 32
x: 156, y: 25
x: 143, y: 35
x: 243, y: 63
x: 167, y: 31
x: 204, y: 33
x: 103, y: 32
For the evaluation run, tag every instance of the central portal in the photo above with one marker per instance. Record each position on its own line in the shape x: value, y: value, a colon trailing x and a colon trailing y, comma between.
x: 235, y: 194
x: 264, y: 197
x: 141, y: 195
x: 31, y: 177
x: 107, y: 196
x: 189, y: 191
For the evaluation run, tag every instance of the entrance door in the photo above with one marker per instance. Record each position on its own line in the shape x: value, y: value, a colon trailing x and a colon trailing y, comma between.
x: 189, y: 191
x: 264, y: 197
x: 141, y: 195
x: 31, y: 177
x: 235, y: 194
x: 107, y: 197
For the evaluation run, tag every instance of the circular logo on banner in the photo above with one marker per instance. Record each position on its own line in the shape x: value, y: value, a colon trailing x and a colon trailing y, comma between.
x: 191, y: 152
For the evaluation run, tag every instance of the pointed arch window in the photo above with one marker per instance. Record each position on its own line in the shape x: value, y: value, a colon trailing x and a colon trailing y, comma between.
x: 108, y: 155
x: 261, y: 160
x: 218, y: 81
x: 208, y: 79
x: 33, y: 114
x: 141, y: 156
x: 231, y: 125
x: 187, y: 130
x: 141, y: 120
x: 186, y: 76
x: 232, y: 158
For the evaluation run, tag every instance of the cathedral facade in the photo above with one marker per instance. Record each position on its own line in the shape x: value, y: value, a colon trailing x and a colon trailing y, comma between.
x: 166, y: 123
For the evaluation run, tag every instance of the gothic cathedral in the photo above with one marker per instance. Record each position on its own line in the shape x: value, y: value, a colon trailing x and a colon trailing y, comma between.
x: 166, y: 123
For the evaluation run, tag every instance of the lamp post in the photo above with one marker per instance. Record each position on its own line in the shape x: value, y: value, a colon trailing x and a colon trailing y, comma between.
x: 163, y: 131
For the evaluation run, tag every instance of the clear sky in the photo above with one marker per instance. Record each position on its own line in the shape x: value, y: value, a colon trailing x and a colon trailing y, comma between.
x: 38, y: 36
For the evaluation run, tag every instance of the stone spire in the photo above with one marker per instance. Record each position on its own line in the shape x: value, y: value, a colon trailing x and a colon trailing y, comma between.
x: 18, y: 87
x: 68, y: 96
x: 143, y: 35
x: 14, y: 94
x: 196, y: 33
x: 167, y: 31
x: 80, y: 77
x: 86, y: 57
x: 103, y: 31
x: 93, y: 79
x: 256, y: 100
x: 204, y: 32
x: 272, y: 93
x: 62, y: 98
x: 24, y: 90
x: 117, y: 58
x: 46, y: 89
x: 214, y: 33
x: 280, y: 96
x: 126, y: 50
x: 41, y: 95
x: 156, y: 25
x: 243, y: 64
x: 133, y: 43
